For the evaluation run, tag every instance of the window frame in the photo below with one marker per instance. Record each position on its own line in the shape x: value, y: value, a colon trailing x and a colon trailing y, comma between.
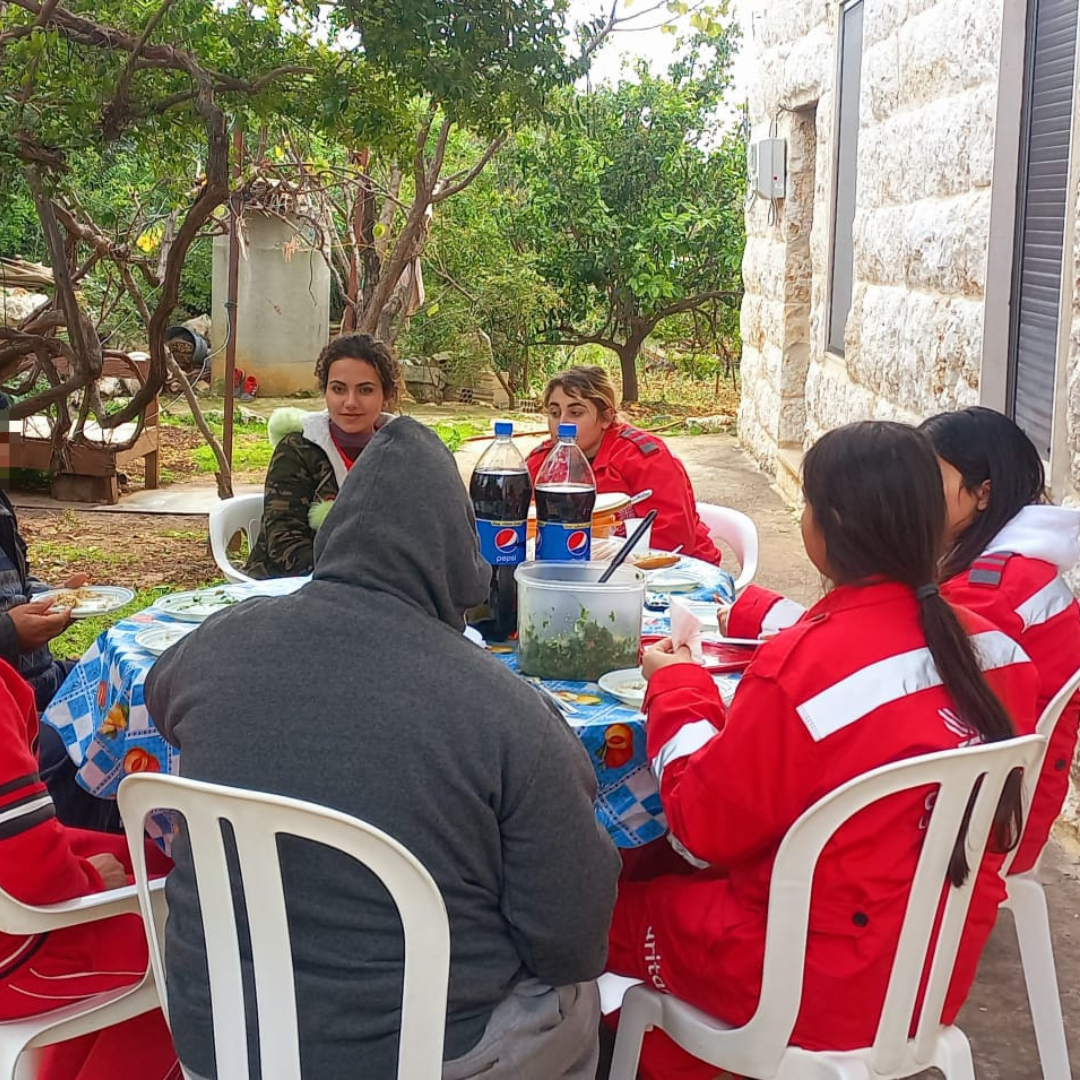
x: 841, y: 167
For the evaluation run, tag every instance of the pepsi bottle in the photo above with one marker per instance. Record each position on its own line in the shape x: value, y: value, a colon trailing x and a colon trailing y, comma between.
x: 501, y: 491
x: 565, y: 496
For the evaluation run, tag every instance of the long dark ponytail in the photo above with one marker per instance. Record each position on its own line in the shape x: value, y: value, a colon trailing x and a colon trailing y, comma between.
x: 876, y: 495
x: 983, y: 445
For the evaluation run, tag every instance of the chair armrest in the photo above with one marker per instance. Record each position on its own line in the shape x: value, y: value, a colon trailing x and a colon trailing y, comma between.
x: 31, y: 919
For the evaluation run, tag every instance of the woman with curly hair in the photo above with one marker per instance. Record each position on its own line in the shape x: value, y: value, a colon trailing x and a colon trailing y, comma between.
x: 313, y: 451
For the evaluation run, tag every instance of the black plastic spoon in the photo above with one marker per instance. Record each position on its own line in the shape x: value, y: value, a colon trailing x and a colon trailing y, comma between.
x: 621, y: 554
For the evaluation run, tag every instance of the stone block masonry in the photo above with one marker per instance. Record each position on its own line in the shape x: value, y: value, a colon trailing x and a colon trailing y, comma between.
x: 913, y: 338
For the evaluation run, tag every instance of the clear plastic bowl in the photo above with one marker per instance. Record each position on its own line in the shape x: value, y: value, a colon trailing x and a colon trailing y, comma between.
x: 570, y: 626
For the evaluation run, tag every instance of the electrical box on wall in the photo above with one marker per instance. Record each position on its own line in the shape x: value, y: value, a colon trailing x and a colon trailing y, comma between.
x: 767, y: 165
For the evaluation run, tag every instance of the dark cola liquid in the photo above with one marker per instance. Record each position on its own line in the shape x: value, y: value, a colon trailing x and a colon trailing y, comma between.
x: 565, y: 504
x: 501, y: 496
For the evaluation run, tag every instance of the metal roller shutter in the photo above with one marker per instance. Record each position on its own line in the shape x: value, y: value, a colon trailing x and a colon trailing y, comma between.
x: 1042, y: 196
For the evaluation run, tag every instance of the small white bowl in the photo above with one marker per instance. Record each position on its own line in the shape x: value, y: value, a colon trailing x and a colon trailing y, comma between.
x: 627, y: 684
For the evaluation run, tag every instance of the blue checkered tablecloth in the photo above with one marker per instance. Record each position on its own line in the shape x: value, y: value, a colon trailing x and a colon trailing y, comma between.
x: 101, y: 715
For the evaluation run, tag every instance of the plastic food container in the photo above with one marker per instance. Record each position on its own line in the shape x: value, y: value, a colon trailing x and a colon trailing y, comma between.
x: 570, y: 626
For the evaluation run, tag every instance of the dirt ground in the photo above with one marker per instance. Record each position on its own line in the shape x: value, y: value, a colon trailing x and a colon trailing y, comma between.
x: 140, y: 551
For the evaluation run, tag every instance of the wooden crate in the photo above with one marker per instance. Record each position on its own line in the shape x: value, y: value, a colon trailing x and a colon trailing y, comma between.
x: 91, y: 473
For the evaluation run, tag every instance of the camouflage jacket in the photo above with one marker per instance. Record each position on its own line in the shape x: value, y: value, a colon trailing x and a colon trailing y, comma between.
x: 302, y: 482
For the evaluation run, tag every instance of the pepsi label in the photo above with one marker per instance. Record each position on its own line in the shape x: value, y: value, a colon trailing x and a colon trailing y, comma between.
x: 558, y: 542
x: 502, y: 543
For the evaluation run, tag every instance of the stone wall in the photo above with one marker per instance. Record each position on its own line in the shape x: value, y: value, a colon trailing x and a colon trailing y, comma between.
x: 925, y: 156
x: 913, y: 340
x: 794, y: 55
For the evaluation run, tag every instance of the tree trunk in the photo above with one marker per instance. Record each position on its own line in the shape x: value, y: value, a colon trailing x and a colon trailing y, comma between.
x: 628, y: 354
x: 409, y: 244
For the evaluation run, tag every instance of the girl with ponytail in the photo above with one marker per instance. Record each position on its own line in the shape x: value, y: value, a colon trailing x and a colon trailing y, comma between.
x: 881, y: 669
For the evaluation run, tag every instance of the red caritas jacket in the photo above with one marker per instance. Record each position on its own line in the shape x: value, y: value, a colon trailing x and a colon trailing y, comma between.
x: 1017, y: 585
x: 37, y: 863
x: 630, y: 460
x: 851, y: 687
x: 44, y: 862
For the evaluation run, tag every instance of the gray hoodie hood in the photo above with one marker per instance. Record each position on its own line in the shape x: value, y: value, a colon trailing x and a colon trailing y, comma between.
x: 403, y: 524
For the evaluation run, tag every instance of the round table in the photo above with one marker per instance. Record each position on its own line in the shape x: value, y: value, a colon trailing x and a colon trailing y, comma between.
x: 100, y: 713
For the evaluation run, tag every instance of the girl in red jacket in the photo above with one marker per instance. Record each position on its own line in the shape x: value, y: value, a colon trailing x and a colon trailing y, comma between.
x: 880, y: 670
x: 1007, y: 551
x: 44, y: 862
x: 625, y: 459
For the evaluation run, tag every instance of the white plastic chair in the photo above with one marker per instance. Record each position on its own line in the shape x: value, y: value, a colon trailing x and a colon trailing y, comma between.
x: 257, y: 820
x: 740, y: 534
x: 19, y: 1037
x: 1027, y: 902
x: 760, y: 1047
x: 242, y: 513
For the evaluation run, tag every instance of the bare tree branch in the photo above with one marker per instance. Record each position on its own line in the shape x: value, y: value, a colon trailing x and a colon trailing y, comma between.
x: 123, y: 84
x: 444, y: 192
x: 65, y: 292
x: 433, y: 171
x: 690, y: 303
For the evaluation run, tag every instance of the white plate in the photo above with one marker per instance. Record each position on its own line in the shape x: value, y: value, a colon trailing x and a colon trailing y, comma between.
x: 157, y: 639
x: 99, y: 599
x: 672, y: 579
x: 606, y: 503
x: 606, y: 547
x: 197, y: 605
x: 705, y: 613
x: 609, y: 501
x: 627, y: 684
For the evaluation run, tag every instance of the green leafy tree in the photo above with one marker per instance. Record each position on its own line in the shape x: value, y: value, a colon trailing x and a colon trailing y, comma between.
x: 469, y: 74
x: 462, y: 76
x: 481, y: 285
x: 87, y: 87
x: 635, y: 206
x: 92, y: 89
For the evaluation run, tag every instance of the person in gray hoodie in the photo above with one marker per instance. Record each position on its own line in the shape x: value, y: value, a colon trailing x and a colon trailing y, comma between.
x: 360, y: 692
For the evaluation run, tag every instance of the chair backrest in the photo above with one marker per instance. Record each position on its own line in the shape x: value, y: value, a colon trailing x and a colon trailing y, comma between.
x: 1047, y: 725
x: 739, y: 532
x: 242, y: 513
x: 256, y: 821
x: 957, y: 773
